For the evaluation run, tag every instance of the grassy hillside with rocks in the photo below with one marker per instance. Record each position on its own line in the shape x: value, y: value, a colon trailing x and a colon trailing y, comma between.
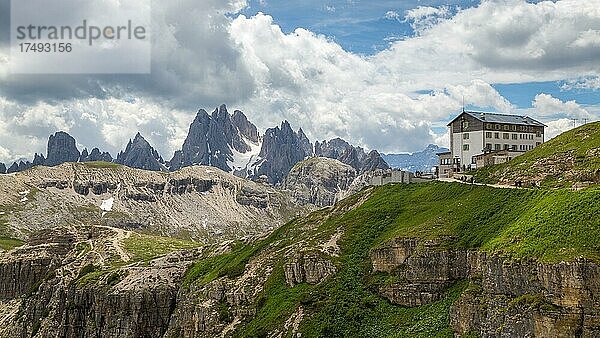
x: 570, y: 158
x: 548, y: 226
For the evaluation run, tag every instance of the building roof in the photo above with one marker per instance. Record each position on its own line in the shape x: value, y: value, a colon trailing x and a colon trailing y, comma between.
x: 501, y: 118
x: 443, y: 153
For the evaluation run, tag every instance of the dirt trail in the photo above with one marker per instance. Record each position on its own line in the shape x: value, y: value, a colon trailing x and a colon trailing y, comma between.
x: 502, y: 186
x: 117, y: 241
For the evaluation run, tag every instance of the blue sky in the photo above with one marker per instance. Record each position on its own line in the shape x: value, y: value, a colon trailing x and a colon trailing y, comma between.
x: 358, y: 26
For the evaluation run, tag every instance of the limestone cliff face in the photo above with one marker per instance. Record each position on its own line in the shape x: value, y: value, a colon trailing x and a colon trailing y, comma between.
x: 319, y: 181
x: 203, y: 203
x: 68, y: 285
x: 45, y: 290
x: 507, y: 297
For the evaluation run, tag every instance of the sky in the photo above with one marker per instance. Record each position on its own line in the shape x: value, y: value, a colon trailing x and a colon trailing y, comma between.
x: 385, y: 75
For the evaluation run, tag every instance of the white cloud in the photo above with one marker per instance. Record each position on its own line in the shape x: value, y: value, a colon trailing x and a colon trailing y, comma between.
x: 203, y: 58
x: 548, y: 106
x: 500, y: 41
x: 558, y: 127
x: 392, y: 15
x: 424, y: 17
x: 481, y: 94
x: 590, y: 82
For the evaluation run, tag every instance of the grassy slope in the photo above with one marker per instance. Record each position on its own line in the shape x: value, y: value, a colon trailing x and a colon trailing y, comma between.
x: 577, y: 150
x: 549, y: 225
x: 145, y: 247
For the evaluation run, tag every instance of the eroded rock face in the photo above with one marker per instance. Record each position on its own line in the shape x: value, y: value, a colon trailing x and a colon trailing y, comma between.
x: 201, y: 202
x: 311, y: 268
x: 213, y: 139
x: 508, y: 298
x: 281, y: 150
x: 61, y: 149
x: 2, y: 168
x: 319, y: 181
x: 141, y: 155
x: 356, y: 157
x: 95, y: 156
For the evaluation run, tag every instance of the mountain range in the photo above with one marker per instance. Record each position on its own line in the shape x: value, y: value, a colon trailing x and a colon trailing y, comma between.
x: 226, y: 141
x: 421, y: 161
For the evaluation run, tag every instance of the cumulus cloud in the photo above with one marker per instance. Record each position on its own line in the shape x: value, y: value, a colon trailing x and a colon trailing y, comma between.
x: 523, y: 42
x: 590, y: 82
x: 203, y: 56
x: 558, y: 127
x: 550, y: 107
x: 425, y: 17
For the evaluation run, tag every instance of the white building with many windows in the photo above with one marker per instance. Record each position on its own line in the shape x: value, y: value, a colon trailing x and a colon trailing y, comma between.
x: 473, y: 134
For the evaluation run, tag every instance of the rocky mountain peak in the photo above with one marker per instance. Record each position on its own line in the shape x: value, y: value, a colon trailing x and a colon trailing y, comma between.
x: 217, y: 140
x: 61, y: 149
x: 95, y: 156
x: 140, y: 154
x: 422, y: 161
x: 246, y: 128
x: 305, y: 143
x: 356, y: 157
x: 38, y: 159
x: 2, y: 168
x: 281, y: 150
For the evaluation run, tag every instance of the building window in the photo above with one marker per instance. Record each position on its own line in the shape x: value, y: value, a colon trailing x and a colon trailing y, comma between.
x: 473, y: 160
x: 537, y: 144
x: 465, y: 147
x: 514, y: 128
x: 538, y: 134
x: 514, y: 147
x: 465, y: 125
x: 488, y: 134
x: 489, y: 126
x: 497, y: 147
x: 515, y: 137
x: 506, y: 136
x: 466, y: 136
x: 497, y: 127
x: 496, y: 135
x: 506, y: 127
x: 488, y: 146
x: 506, y: 146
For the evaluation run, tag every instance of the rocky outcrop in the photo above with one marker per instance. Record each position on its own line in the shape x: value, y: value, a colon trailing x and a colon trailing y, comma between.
x: 95, y: 156
x: 245, y: 127
x: 507, y: 297
x: 319, y: 181
x: 141, y: 155
x: 356, y: 157
x: 61, y: 149
x: 38, y: 159
x: 213, y: 139
x: 305, y: 143
x: 311, y: 268
x: 2, y: 168
x: 281, y: 150
x: 20, y: 166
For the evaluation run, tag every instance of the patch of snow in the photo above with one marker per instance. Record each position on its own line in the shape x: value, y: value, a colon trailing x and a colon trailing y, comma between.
x: 208, y: 171
x: 24, y: 199
x: 107, y: 204
x: 244, y: 161
x: 2, y: 213
x: 26, y: 192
